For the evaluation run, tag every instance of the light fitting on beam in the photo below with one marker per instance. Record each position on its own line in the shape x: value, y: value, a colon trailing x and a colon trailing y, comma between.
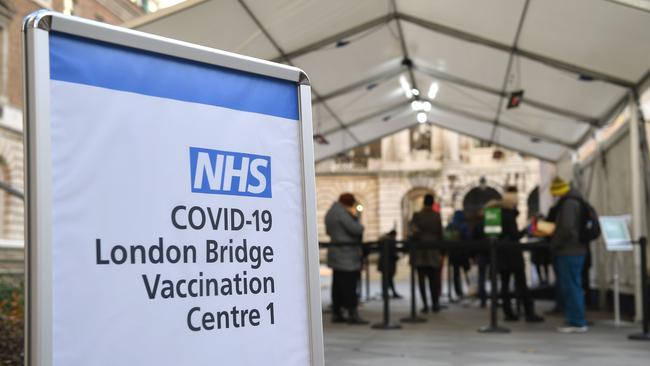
x: 433, y: 90
x: 406, y: 87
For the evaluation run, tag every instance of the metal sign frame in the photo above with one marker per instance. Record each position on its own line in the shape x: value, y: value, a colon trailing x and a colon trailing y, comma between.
x: 617, y: 244
x: 39, y: 295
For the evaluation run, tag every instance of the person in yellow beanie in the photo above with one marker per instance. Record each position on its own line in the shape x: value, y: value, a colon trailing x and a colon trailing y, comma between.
x: 559, y: 187
x: 570, y: 254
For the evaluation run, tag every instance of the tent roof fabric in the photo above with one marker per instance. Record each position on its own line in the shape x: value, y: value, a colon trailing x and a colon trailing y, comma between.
x: 576, y: 62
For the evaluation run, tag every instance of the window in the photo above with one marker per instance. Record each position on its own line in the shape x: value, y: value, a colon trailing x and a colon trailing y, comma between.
x: 69, y: 7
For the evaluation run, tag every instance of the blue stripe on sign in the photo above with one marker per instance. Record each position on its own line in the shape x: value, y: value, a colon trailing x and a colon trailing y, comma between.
x: 84, y: 61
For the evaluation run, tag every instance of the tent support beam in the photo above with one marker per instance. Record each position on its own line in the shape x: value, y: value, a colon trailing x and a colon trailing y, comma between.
x: 402, y: 43
x: 375, y: 139
x: 457, y: 112
x: 361, y: 84
x: 455, y: 33
x: 466, y: 114
x: 288, y: 60
x: 382, y: 20
x: 372, y: 115
x: 533, y: 103
x: 640, y: 180
x: 617, y: 108
x: 506, y: 77
x: 558, y: 64
x: 643, y: 83
x: 537, y: 156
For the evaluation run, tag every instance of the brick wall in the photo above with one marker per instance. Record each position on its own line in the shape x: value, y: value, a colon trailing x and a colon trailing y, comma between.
x: 11, y: 95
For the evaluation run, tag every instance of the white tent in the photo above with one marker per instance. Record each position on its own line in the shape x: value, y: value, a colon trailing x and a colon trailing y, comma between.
x: 575, y: 60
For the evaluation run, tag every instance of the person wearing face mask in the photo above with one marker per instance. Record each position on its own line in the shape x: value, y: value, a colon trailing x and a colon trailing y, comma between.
x: 342, y: 223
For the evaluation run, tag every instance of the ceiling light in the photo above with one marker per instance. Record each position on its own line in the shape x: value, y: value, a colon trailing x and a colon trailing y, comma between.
x: 416, y: 105
x: 426, y: 106
x: 433, y: 90
x: 405, y: 87
x: 422, y: 117
x: 415, y: 92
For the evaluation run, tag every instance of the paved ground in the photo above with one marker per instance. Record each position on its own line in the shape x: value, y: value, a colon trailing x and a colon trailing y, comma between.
x: 450, y: 338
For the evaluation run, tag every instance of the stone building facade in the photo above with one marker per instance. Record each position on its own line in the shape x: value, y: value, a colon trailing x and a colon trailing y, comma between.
x: 391, y: 176
x: 12, y: 13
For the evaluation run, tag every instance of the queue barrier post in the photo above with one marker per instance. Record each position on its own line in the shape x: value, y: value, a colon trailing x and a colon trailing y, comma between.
x: 386, y: 324
x: 494, y: 298
x: 645, y: 334
x: 367, y: 271
x: 413, y: 317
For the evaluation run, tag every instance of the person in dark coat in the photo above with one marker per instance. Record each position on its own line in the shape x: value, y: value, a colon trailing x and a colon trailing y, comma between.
x: 570, y: 254
x: 426, y: 226
x: 343, y: 226
x: 458, y: 231
x: 393, y: 256
x: 510, y: 261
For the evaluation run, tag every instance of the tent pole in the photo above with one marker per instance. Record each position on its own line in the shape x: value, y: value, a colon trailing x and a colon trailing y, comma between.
x: 638, y: 160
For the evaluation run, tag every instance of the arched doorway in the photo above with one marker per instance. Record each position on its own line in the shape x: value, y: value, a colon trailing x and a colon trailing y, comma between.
x: 533, y: 202
x: 475, y: 199
x: 412, y: 203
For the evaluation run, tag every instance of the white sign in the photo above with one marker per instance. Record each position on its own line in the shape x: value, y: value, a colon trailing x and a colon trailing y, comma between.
x: 616, y: 233
x: 180, y: 210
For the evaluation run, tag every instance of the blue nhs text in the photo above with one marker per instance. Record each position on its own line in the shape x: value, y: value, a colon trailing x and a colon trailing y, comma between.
x: 231, y: 173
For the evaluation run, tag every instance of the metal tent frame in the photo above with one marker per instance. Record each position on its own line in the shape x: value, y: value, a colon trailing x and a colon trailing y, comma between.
x: 344, y: 132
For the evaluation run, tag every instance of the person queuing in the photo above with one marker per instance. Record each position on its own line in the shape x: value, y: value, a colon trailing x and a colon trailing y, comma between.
x: 510, y: 262
x: 343, y: 226
x: 482, y: 260
x: 426, y: 226
x: 393, y: 256
x: 569, y: 254
x: 458, y: 231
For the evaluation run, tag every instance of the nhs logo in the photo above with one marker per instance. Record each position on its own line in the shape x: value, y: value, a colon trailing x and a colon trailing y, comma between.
x: 228, y: 172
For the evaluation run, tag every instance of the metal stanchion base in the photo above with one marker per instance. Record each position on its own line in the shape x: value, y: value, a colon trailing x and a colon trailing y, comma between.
x: 387, y: 326
x: 639, y: 337
x: 413, y: 319
x: 493, y: 329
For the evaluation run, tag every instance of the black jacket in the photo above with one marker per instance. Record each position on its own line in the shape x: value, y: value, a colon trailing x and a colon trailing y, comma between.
x: 566, y: 238
x: 510, y: 258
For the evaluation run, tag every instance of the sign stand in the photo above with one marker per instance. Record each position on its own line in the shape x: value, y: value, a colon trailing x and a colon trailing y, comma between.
x: 616, y: 237
x: 170, y: 194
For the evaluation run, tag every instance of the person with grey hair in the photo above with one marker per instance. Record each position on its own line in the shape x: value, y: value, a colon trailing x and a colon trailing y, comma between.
x: 343, y: 227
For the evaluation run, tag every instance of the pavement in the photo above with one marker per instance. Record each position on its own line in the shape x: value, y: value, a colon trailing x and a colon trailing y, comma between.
x: 451, y: 338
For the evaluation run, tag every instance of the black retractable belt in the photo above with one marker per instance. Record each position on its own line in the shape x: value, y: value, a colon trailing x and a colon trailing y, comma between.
x: 645, y: 302
x: 413, y: 318
x: 386, y: 323
x: 494, y: 298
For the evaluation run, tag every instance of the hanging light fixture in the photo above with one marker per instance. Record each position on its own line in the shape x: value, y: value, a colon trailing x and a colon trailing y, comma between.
x: 422, y: 117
